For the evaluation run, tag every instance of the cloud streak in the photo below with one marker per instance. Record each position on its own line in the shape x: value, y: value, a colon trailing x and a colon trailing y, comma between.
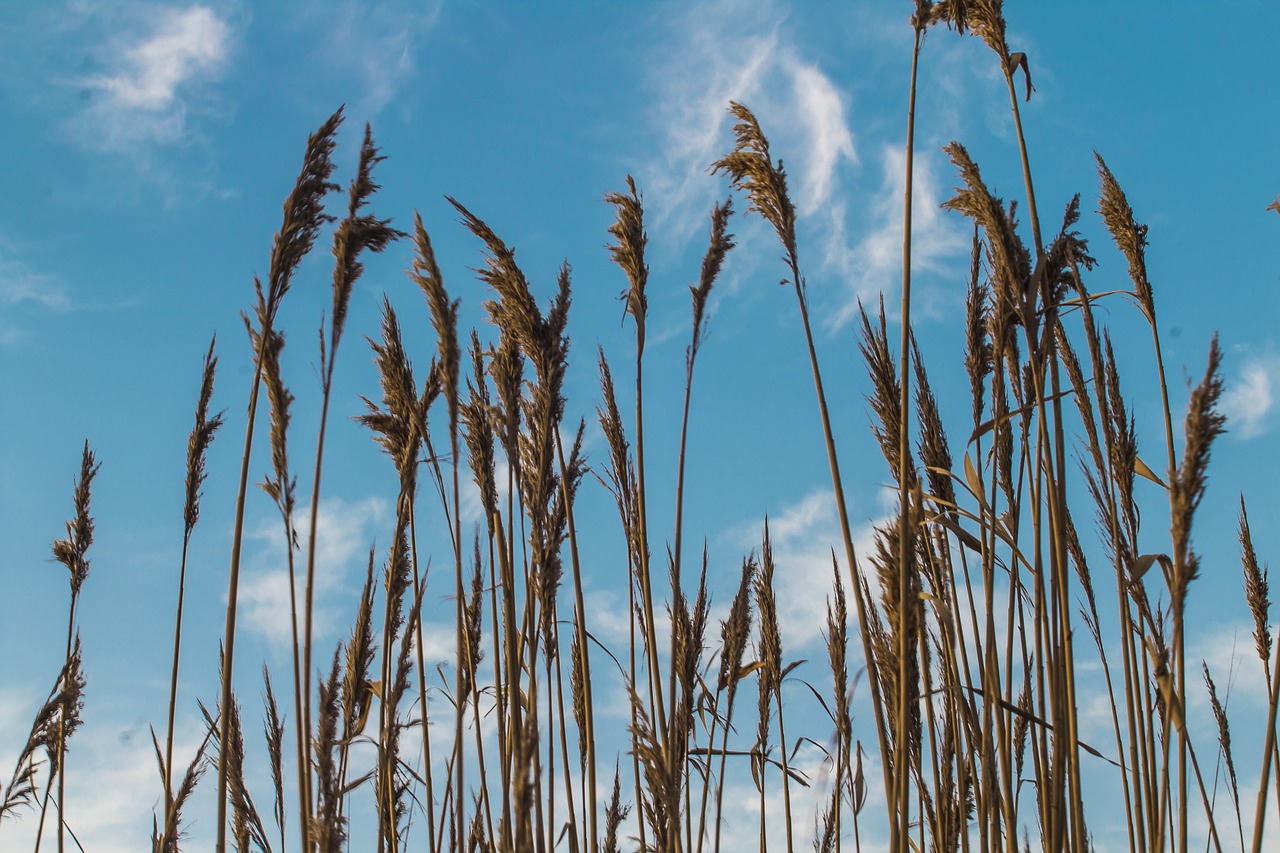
x: 1250, y: 399
x: 20, y: 284
x: 872, y: 265
x: 375, y: 43
x: 146, y: 94
x: 849, y: 217
x: 803, y: 535
x: 738, y: 52
x: 347, y: 530
x: 26, y: 290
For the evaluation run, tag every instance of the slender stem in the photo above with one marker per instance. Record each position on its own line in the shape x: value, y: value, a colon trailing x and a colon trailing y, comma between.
x: 504, y: 765
x: 464, y: 646
x: 303, y: 727
x: 1026, y: 162
x: 428, y: 773
x: 786, y: 776
x: 655, y: 677
x: 902, y: 779
x: 1273, y: 704
x: 173, y: 687
x: 233, y: 590
x: 842, y: 511
x: 724, y: 751
x: 589, y: 804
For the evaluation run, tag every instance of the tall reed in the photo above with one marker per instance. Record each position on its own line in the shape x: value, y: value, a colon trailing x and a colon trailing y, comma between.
x: 303, y: 217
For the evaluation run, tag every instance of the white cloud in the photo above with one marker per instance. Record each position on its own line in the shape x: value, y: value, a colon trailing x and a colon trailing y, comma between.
x: 112, y: 786
x: 739, y: 52
x: 731, y: 52
x: 347, y: 529
x: 830, y: 141
x: 19, y: 284
x: 145, y: 96
x: 1250, y: 398
x: 26, y: 289
x: 375, y: 43
x: 803, y: 536
x: 873, y: 265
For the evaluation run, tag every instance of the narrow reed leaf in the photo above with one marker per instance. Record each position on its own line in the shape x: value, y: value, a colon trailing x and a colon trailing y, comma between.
x: 166, y: 839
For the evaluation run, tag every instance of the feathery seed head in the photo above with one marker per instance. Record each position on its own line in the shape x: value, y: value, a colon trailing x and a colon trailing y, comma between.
x: 735, y: 629
x: 1256, y: 588
x: 1129, y: 235
x: 71, y: 551
x: 628, y: 252
x: 356, y: 233
x: 1204, y: 423
x: 199, y: 440
x: 751, y: 170
x: 303, y: 216
x: 444, y: 314
x: 720, y: 244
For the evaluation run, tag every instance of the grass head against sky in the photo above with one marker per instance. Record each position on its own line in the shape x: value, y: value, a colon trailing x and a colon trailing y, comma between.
x: 148, y: 147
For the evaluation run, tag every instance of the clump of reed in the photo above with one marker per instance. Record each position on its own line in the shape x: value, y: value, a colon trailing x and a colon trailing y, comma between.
x: 965, y: 607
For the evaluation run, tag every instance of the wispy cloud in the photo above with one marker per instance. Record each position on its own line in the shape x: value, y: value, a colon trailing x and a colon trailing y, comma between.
x: 850, y: 217
x: 872, y: 264
x: 803, y: 535
x: 347, y: 529
x: 154, y: 75
x: 829, y: 139
x: 733, y: 51
x: 1250, y: 397
x: 26, y: 290
x: 377, y: 44
x: 22, y: 284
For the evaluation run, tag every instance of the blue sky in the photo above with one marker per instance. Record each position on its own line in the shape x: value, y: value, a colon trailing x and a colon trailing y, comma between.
x: 149, y: 147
